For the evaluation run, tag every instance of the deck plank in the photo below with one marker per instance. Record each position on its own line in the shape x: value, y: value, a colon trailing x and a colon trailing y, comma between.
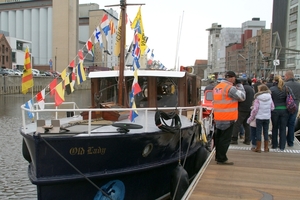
x: 272, y: 175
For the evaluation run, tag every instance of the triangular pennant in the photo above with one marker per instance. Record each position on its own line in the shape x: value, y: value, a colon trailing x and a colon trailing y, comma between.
x: 52, y: 86
x: 59, y: 94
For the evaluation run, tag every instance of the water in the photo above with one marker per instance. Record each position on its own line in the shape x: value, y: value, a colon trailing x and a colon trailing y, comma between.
x: 14, y: 182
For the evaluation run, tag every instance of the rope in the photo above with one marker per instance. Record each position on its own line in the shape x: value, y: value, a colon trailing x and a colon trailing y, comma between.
x: 160, y: 122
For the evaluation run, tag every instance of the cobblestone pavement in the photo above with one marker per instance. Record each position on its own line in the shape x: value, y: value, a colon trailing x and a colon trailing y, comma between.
x: 14, y: 181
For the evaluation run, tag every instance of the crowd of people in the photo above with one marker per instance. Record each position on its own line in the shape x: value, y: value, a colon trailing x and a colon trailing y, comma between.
x: 253, y: 107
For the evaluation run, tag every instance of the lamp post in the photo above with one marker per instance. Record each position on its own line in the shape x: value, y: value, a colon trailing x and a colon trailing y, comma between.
x: 246, y: 64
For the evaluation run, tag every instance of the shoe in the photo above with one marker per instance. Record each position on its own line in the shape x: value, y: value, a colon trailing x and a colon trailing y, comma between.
x: 290, y: 145
x: 225, y: 163
x: 233, y: 142
x: 246, y: 142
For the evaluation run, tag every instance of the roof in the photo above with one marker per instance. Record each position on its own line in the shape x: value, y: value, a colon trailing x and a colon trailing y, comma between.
x: 128, y: 73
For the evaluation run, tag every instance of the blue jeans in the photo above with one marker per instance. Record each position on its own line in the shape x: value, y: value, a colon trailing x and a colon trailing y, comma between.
x: 279, y: 123
x: 262, y: 125
x: 253, y: 136
x: 291, y: 129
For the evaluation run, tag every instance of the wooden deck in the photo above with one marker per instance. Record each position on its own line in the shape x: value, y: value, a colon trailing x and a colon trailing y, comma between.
x: 264, y: 176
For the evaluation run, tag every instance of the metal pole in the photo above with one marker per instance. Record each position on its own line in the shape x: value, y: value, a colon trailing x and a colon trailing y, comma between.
x: 275, y: 63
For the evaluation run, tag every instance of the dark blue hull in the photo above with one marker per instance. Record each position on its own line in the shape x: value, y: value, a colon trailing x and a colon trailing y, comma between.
x: 80, y: 166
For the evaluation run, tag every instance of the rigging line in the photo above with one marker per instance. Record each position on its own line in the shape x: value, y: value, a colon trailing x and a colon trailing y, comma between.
x: 186, y: 155
x: 178, y: 41
x: 76, y: 169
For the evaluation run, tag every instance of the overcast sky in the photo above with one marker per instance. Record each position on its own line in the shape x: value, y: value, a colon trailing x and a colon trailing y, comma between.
x: 162, y: 19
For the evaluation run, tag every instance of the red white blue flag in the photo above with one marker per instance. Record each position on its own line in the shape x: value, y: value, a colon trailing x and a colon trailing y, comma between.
x: 105, y: 25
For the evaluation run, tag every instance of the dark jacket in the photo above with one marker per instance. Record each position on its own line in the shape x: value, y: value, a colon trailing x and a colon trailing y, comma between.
x: 244, y: 106
x: 278, y: 96
x: 295, y: 86
x: 269, y: 84
x: 209, y: 87
x: 255, y: 86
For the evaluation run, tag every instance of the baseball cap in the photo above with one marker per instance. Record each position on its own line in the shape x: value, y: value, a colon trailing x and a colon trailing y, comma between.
x: 230, y: 74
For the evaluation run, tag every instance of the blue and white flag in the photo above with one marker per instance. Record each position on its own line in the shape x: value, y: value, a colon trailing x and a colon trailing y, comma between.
x: 98, y: 37
x: 29, y: 105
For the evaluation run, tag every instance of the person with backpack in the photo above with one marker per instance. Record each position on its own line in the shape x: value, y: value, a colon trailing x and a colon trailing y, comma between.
x: 295, y: 87
x: 280, y: 114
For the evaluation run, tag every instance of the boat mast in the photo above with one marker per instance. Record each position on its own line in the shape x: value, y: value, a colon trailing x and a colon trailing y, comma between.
x: 122, y: 51
x: 123, y: 5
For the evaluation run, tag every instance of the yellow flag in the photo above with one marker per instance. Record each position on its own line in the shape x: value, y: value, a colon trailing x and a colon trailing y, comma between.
x: 63, y: 74
x: 137, y: 25
x: 118, y: 38
x: 27, y: 78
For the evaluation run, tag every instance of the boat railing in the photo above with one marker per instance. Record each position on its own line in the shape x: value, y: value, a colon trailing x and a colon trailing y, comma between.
x: 194, y: 111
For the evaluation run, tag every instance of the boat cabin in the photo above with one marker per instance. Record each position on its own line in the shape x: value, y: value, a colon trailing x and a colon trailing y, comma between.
x: 158, y: 88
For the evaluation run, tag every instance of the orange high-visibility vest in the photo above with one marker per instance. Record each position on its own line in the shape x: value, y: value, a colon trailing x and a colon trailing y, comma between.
x: 225, y: 107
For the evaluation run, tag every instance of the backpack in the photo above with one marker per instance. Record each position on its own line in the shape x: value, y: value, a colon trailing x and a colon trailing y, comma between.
x: 290, y: 102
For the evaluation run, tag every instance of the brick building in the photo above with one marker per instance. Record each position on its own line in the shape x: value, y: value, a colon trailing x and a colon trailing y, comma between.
x: 5, y: 53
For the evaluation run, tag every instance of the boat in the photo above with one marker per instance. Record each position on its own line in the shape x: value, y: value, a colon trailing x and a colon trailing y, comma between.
x: 101, y: 152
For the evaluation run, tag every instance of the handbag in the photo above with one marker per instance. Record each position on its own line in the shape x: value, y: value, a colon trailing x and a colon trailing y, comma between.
x: 290, y: 102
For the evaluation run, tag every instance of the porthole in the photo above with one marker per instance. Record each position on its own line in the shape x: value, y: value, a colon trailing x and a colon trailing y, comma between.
x: 147, y: 150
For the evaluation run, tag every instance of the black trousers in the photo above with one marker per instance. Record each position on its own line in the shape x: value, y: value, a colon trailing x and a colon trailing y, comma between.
x: 222, y: 142
x: 242, y: 120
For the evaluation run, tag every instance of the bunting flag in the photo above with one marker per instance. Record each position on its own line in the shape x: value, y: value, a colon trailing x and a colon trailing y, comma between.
x: 118, y: 38
x: 59, y: 94
x: 89, y: 45
x: 105, y: 25
x: 29, y: 105
x: 98, y: 37
x: 135, y: 84
x: 133, y: 113
x: 136, y: 49
x: 72, y: 64
x: 27, y: 78
x: 68, y: 84
x: 93, y: 52
x: 80, y: 73
x: 52, y: 86
x: 80, y: 55
x: 63, y: 74
x: 134, y: 91
x: 137, y: 25
x: 150, y: 61
x: 112, y: 27
x: 73, y: 79
x: 40, y: 98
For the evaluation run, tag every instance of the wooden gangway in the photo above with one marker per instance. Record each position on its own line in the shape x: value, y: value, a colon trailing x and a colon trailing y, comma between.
x: 264, y: 176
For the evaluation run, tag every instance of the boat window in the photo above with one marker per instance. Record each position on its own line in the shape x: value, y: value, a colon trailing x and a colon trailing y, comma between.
x: 189, y: 93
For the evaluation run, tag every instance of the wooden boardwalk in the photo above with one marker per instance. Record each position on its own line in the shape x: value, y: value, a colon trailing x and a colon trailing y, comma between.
x: 264, y: 176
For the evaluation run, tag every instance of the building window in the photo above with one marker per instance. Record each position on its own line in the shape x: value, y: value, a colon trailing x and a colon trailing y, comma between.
x: 6, y: 58
x: 13, y: 56
x: 3, y: 48
x: 19, y: 46
x: 6, y: 49
x: 3, y: 60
